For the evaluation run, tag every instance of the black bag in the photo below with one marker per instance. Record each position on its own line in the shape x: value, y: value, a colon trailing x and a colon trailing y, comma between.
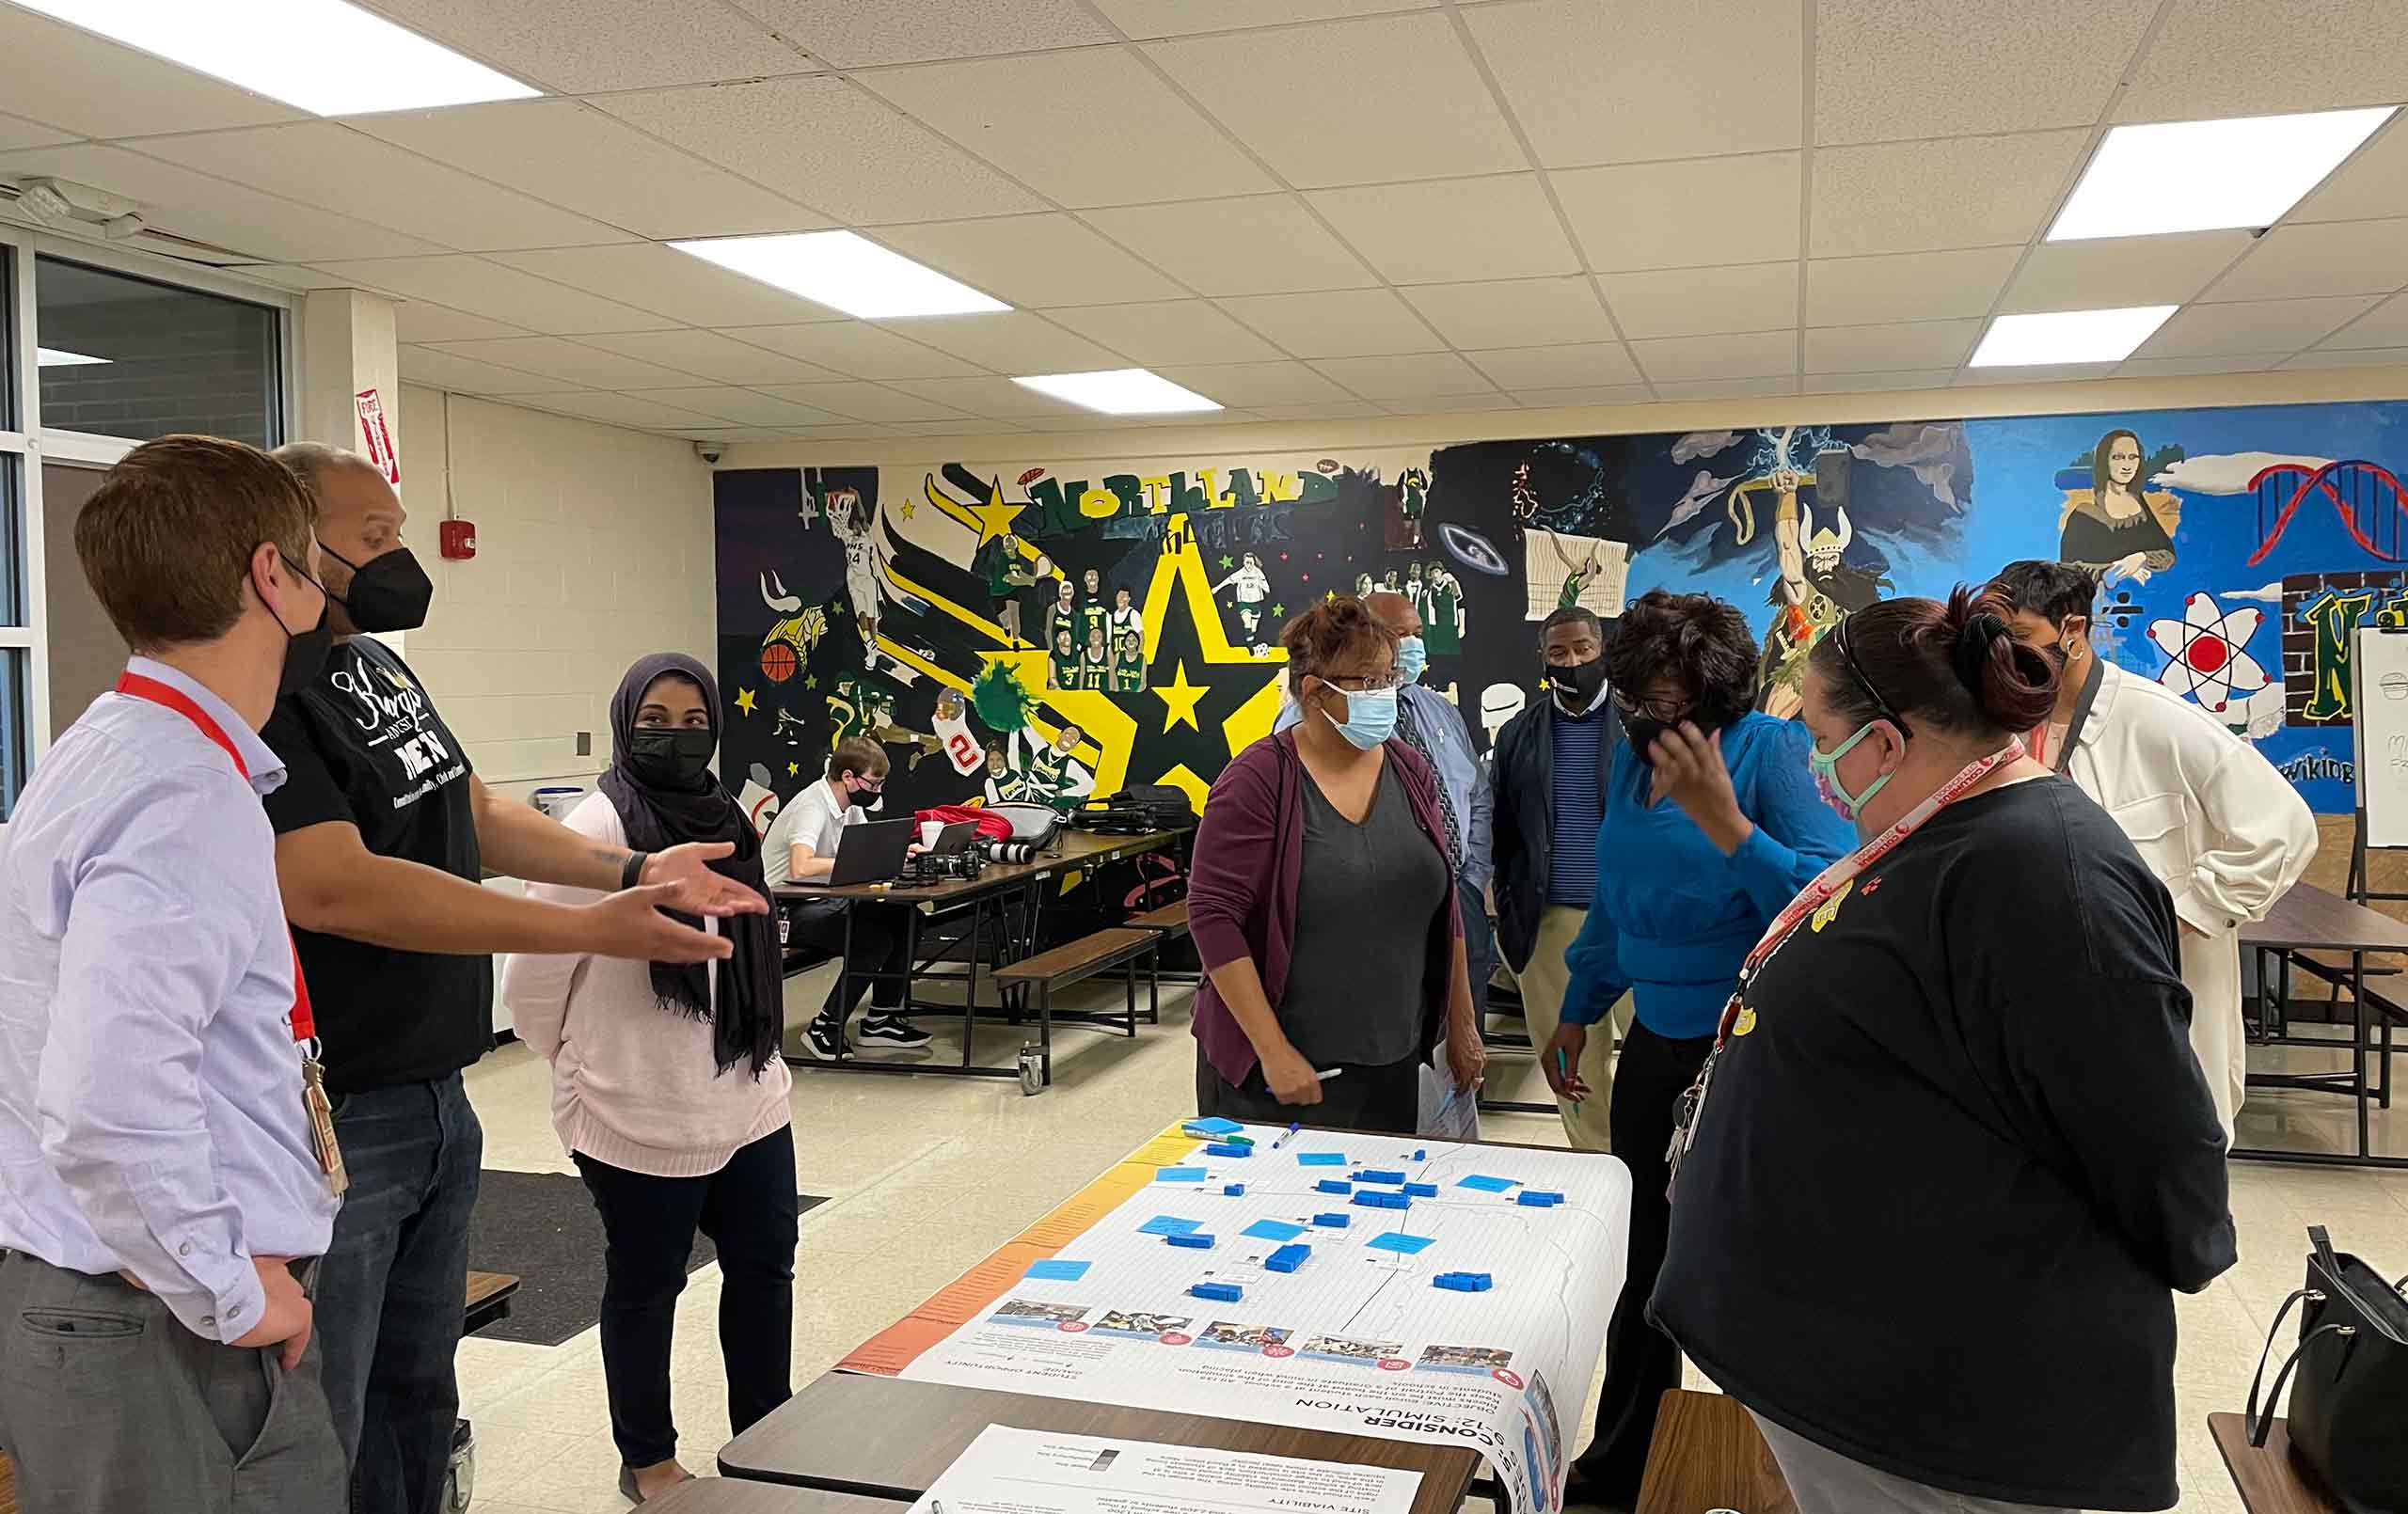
x: 1136, y: 810
x: 2349, y: 1419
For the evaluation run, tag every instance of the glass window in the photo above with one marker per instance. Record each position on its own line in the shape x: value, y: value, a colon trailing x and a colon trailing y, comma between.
x: 123, y: 357
x: 12, y: 538
x: 15, y: 739
x: 10, y: 417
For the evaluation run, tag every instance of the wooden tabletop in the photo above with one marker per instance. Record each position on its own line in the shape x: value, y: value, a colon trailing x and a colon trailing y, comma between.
x: 889, y: 1438
x: 1708, y: 1453
x: 736, y: 1495
x: 2270, y: 1482
x: 1071, y: 848
x: 2310, y: 918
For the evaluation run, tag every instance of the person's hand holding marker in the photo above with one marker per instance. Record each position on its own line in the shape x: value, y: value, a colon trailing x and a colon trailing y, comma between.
x: 1563, y: 1060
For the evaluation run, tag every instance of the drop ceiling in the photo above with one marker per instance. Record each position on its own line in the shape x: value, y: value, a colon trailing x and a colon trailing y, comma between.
x: 1304, y: 208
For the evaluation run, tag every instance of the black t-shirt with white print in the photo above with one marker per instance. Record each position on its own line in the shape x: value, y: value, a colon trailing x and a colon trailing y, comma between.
x: 363, y: 744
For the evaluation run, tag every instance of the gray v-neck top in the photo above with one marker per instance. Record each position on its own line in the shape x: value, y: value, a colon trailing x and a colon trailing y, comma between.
x: 1364, y: 897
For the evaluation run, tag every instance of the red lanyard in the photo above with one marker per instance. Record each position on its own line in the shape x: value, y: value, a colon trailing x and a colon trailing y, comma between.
x: 134, y: 686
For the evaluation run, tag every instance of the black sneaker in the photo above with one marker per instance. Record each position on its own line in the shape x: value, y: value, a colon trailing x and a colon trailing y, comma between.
x: 823, y: 1038
x: 893, y: 1030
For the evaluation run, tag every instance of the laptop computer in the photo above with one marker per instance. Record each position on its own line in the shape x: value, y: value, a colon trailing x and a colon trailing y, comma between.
x: 870, y: 852
x: 955, y: 837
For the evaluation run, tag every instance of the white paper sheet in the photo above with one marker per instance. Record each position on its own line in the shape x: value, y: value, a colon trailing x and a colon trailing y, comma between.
x: 1008, y: 1471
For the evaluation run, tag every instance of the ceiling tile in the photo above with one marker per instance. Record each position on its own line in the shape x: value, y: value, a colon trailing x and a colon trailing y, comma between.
x: 1255, y: 385
x: 2386, y: 326
x: 334, y: 169
x: 575, y: 156
x: 971, y: 426
x: 571, y: 361
x: 70, y: 78
x: 865, y: 402
x: 1405, y: 376
x: 828, y: 144
x: 496, y: 293
x: 2178, y: 366
x: 2320, y: 258
x: 612, y: 409
x: 1168, y: 331
x: 1725, y: 389
x: 2009, y: 67
x: 1901, y: 344
x: 1032, y: 260
x: 853, y: 34
x: 1579, y: 365
x: 1959, y: 192
x: 1597, y: 394
x: 467, y: 375
x: 1320, y: 410
x: 16, y: 132
x: 1748, y: 355
x: 1687, y: 302
x: 1253, y: 245
x: 847, y: 430
x: 1448, y: 405
x: 986, y: 395
x: 2261, y: 57
x: 578, y: 47
x: 1513, y: 312
x: 2036, y: 373
x: 1845, y: 292
x: 1350, y: 102
x: 2110, y: 273
x: 2349, y: 357
x: 175, y: 199
x: 2373, y: 183
x: 855, y: 348
x: 1038, y: 119
x: 1913, y: 378
x: 743, y: 407
x: 1612, y: 84
x: 1012, y: 342
x: 708, y: 354
x: 1678, y: 214
x: 1452, y: 228
x: 668, y: 282
x: 418, y: 321
x: 1145, y: 19
x: 295, y: 277
x: 2250, y: 326
x: 1336, y: 324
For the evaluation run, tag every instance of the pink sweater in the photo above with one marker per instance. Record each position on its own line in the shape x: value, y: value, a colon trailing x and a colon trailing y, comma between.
x: 633, y: 1084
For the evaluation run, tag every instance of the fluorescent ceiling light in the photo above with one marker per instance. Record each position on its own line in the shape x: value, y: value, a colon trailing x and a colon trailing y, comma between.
x: 2067, y: 337
x: 2199, y: 176
x: 1119, y: 391
x: 322, y: 56
x: 846, y: 272
x: 56, y: 358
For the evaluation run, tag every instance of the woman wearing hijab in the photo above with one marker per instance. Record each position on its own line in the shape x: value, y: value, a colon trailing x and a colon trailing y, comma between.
x: 668, y: 1091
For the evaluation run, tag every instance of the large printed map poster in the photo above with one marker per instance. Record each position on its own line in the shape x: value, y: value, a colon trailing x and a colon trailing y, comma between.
x: 1093, y: 1302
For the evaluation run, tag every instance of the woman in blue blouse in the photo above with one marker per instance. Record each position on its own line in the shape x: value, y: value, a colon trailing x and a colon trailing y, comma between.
x: 1712, y: 824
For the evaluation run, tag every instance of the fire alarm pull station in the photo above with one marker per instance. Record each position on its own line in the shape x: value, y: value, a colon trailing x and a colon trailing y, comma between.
x: 458, y: 539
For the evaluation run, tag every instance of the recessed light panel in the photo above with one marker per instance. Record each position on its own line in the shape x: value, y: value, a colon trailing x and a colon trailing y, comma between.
x: 844, y: 272
x: 2067, y: 337
x: 1119, y: 391
x: 2201, y: 176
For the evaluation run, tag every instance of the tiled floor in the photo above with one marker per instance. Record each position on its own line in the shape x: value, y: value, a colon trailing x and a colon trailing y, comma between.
x: 927, y: 1175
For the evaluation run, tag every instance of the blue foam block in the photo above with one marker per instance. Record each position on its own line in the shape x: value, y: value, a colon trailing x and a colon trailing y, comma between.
x: 1403, y: 1245
x: 1288, y: 1258
x: 1056, y: 1271
x: 1217, y: 1292
x: 1321, y: 1159
x: 1273, y: 1230
x: 1213, y: 1127
x: 1421, y: 1191
x: 1335, y: 1184
x: 1228, y: 1148
x: 1235, y: 1191
x: 1489, y: 1184
x: 1193, y: 1241
x: 1169, y: 1225
x: 1178, y: 1174
x: 1375, y: 1199
x: 1378, y: 1174
x: 1538, y: 1198
x: 1462, y: 1282
x: 1330, y: 1222
x: 1420, y: 1154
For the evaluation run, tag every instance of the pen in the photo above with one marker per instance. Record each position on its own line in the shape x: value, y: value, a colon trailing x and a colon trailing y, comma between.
x: 1562, y: 1066
x: 1292, y: 1130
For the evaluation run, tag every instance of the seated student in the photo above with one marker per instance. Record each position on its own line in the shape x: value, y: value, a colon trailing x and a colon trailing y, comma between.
x: 801, y: 848
x: 1323, y: 900
x: 1955, y: 1154
x: 668, y: 1090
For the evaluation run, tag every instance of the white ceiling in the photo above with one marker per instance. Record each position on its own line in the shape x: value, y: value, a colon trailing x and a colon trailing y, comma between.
x: 1304, y: 208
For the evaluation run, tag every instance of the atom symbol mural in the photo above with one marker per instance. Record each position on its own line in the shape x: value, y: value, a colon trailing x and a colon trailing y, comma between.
x: 2207, y: 652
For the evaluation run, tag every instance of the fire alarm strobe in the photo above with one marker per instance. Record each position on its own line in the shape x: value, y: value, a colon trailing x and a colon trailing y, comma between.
x: 459, y: 540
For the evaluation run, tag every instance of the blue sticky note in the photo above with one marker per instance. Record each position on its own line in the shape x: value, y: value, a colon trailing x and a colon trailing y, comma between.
x: 1056, y: 1271
x: 1279, y: 1230
x: 1321, y: 1159
x: 1403, y: 1245
x: 1213, y: 1127
x: 1178, y: 1174
x: 1490, y: 1185
x: 1169, y: 1225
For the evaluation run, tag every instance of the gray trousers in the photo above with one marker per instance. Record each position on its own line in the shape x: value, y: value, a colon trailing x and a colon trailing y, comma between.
x: 1823, y: 1481
x: 108, y: 1404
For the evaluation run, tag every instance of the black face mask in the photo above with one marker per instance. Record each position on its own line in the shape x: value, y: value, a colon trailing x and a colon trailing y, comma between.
x: 304, y: 651
x: 671, y: 759
x: 388, y: 592
x: 1643, y: 733
x: 1582, y: 680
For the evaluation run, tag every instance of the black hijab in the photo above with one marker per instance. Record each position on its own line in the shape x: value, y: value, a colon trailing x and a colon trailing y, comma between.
x: 750, y: 984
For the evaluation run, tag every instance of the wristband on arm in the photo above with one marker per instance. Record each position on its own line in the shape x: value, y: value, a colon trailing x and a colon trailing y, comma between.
x: 631, y: 871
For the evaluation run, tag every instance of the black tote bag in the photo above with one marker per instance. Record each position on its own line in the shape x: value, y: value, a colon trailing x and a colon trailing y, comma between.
x: 2349, y: 1418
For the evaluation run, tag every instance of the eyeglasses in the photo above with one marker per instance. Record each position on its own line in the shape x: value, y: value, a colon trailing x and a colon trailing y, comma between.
x: 1365, y: 684
x: 1660, y: 711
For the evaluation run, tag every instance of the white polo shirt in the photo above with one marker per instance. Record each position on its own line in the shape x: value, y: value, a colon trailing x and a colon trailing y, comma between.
x: 816, y: 819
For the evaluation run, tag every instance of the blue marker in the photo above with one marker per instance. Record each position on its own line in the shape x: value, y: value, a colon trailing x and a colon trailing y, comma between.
x: 1292, y: 1130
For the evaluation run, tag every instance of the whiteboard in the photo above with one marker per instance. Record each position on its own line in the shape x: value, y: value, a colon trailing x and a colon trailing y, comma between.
x: 2379, y: 666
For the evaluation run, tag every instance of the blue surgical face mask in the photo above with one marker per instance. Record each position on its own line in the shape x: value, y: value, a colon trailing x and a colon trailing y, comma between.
x: 1411, y: 657
x: 1827, y: 777
x: 1371, y: 717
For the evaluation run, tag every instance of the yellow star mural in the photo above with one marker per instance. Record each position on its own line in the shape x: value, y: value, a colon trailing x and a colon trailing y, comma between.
x: 744, y: 701
x: 1179, y: 698
x: 794, y: 770
x: 994, y: 517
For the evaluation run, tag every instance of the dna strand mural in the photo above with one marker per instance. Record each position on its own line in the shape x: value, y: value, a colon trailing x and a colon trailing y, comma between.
x: 2366, y: 495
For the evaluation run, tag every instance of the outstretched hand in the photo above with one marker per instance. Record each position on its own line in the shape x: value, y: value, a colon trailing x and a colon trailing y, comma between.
x: 695, y: 889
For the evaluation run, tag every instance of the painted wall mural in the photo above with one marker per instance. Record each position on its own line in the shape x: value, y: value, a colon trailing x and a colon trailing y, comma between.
x: 1046, y: 628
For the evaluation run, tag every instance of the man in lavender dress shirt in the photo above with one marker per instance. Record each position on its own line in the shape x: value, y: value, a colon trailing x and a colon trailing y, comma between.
x: 160, y: 1201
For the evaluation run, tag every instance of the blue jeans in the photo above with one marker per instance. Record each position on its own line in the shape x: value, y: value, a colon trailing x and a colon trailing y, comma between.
x: 393, y: 1288
x: 1480, y: 949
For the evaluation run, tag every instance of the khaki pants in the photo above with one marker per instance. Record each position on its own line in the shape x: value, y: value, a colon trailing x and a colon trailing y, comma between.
x: 1544, y: 982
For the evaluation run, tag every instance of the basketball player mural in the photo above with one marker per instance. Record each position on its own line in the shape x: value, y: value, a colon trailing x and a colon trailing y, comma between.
x: 854, y: 525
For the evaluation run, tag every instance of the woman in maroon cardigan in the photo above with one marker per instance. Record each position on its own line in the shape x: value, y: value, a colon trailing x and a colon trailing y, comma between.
x: 1322, y: 897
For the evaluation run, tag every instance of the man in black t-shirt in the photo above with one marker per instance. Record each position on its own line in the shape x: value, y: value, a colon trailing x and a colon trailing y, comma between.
x: 381, y: 833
